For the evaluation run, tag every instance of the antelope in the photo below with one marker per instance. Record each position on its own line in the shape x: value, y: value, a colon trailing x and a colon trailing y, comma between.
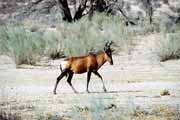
x: 90, y: 63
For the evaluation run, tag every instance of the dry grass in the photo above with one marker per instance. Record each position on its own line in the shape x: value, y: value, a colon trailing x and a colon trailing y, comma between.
x: 99, y: 110
x: 114, y: 113
x: 23, y: 46
x: 168, y: 46
x: 164, y: 92
x: 9, y: 116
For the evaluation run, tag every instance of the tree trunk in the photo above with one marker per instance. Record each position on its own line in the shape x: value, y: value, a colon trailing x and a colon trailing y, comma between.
x: 81, y: 8
x: 178, y: 19
x: 150, y: 11
x: 66, y: 14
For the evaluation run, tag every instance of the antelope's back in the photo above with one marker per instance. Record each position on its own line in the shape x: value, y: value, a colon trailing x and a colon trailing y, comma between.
x: 82, y: 64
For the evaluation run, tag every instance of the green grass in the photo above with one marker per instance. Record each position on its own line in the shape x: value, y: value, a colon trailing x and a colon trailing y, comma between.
x: 97, y: 109
x: 167, y: 44
x: 85, y: 36
x: 46, y: 116
x: 23, y: 46
x: 27, y: 43
x: 162, y: 25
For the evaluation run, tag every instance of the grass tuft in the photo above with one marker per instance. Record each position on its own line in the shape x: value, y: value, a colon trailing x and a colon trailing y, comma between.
x: 24, y: 46
x: 165, y: 92
x: 168, y: 47
x: 9, y: 116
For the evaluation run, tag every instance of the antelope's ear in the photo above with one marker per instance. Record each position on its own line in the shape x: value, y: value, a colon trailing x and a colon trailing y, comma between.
x: 106, y: 46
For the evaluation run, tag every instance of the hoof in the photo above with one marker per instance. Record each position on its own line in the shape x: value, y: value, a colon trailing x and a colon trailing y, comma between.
x: 76, y: 92
x: 87, y: 91
x: 54, y: 92
x: 105, y: 90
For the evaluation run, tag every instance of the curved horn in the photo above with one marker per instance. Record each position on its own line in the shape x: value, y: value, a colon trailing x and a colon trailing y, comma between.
x: 106, y: 45
x: 110, y: 43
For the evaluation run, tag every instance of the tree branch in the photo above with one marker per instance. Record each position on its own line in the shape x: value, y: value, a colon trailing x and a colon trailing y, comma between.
x: 126, y: 18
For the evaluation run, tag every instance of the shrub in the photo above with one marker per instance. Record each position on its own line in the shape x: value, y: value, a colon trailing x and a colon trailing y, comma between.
x: 24, y: 46
x: 84, y: 36
x: 54, y: 46
x: 168, y: 46
x: 96, y: 110
x: 165, y: 92
x: 161, y: 25
x: 9, y: 116
x: 27, y: 43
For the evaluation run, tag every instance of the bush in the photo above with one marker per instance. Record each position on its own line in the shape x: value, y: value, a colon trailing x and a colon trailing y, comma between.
x: 27, y: 44
x: 86, y: 36
x: 54, y: 45
x: 162, y: 25
x: 24, y: 46
x: 96, y: 109
x: 168, y: 46
x: 164, y: 92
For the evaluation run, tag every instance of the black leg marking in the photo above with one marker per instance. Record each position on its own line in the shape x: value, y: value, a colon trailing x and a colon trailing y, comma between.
x: 58, y: 79
x: 69, y: 82
x: 88, y: 80
x: 97, y: 74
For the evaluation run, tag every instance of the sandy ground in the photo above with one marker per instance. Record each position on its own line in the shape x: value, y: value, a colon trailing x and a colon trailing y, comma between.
x: 137, y: 78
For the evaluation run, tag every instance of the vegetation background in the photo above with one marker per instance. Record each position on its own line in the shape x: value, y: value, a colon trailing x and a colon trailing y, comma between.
x: 36, y: 34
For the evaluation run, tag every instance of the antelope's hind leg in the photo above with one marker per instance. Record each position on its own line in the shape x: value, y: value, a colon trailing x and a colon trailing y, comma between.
x: 58, y: 79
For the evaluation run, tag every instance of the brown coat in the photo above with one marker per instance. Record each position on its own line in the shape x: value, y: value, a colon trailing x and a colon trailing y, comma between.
x: 91, y: 62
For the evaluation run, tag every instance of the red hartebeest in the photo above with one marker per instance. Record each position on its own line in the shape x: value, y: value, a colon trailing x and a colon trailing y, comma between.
x: 90, y: 64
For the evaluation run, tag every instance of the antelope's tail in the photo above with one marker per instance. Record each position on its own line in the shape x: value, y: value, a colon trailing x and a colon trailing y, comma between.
x: 62, y: 70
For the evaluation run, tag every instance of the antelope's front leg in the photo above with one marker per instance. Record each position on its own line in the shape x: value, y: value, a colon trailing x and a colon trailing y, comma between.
x: 96, y: 73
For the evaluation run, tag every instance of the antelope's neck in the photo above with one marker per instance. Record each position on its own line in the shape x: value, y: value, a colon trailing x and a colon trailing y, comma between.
x: 100, y: 59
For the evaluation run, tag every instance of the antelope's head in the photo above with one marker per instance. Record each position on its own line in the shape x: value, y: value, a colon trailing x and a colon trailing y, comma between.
x: 108, y: 52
